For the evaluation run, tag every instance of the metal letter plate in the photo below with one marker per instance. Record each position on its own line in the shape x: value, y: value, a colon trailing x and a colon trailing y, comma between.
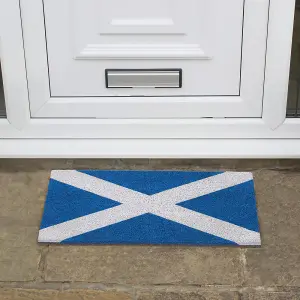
x: 150, y: 78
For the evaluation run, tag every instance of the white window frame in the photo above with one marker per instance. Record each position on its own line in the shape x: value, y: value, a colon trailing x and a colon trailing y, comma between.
x: 271, y: 136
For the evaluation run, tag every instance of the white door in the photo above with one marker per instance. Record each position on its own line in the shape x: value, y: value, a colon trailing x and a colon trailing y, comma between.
x: 213, y: 49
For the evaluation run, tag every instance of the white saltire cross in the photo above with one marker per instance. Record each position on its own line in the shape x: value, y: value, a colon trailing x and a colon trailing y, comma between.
x: 162, y: 204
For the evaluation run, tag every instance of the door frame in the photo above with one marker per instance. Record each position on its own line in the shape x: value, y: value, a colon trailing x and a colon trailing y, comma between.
x: 271, y: 136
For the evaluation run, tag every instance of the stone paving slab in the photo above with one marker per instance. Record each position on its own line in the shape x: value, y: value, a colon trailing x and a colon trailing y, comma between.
x: 176, y: 294
x: 19, y: 253
x: 103, y: 164
x: 22, y: 196
x: 150, y: 294
x: 33, y: 165
x: 35, y: 294
x: 30, y: 165
x: 271, y: 296
x: 144, y: 265
x: 217, y: 164
x: 277, y: 262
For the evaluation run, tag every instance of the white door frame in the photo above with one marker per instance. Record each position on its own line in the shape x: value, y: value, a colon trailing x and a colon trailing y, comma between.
x: 270, y: 136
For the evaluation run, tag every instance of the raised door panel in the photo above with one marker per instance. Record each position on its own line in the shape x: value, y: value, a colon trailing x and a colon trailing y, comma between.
x: 201, y: 37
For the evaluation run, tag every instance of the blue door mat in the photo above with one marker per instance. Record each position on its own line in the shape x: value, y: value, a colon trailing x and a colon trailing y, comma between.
x: 150, y: 207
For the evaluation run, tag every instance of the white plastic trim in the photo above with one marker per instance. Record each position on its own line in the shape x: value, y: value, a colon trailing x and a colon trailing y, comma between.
x: 138, y: 148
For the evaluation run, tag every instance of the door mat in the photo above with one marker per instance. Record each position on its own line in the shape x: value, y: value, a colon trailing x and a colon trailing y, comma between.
x: 150, y: 207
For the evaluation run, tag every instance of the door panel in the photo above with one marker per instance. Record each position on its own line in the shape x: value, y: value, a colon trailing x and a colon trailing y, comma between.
x: 219, y: 48
x: 201, y: 37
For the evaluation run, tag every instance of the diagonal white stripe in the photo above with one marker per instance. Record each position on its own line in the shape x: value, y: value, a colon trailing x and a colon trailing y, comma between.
x: 225, y: 230
x: 222, y: 229
x: 175, y: 195
x: 202, y: 187
x: 97, y: 186
x: 68, y: 229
